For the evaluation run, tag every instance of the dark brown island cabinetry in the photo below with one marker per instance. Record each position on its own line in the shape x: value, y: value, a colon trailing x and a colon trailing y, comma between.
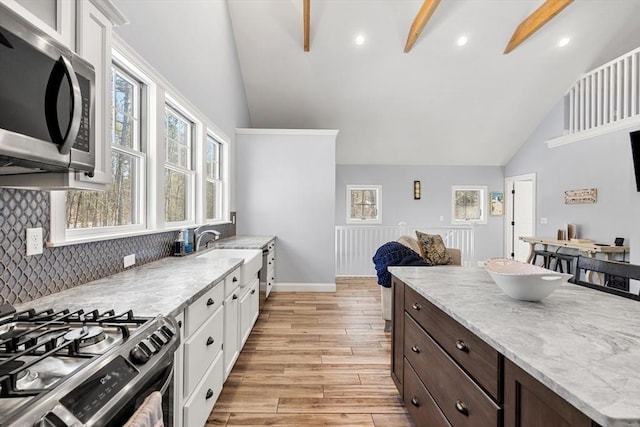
x: 448, y: 376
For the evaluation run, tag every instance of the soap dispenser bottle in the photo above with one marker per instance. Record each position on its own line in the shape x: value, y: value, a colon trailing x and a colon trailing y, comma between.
x: 178, y: 245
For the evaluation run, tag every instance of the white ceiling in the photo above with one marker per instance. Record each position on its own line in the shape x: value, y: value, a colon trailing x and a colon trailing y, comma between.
x: 440, y: 103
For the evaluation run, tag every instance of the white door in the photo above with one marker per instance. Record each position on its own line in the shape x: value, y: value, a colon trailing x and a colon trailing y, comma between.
x: 520, y: 215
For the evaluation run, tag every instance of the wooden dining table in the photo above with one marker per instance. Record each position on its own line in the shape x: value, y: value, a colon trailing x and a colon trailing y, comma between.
x: 586, y: 248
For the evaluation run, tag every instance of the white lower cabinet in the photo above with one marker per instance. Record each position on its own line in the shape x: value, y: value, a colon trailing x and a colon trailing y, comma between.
x: 231, y: 347
x: 201, y: 349
x: 249, y: 306
x: 202, y: 400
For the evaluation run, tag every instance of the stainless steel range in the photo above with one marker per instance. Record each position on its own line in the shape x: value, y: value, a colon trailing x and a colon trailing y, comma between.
x: 77, y: 368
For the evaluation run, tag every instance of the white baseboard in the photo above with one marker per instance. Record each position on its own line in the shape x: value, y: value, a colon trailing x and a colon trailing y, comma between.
x: 303, y: 287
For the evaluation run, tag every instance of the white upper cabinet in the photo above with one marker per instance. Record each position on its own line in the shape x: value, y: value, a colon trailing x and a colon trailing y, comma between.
x: 85, y: 26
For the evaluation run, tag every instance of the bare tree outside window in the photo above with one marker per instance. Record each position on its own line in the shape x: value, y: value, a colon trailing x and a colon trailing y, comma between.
x: 118, y: 205
x: 178, y: 172
x: 364, y: 204
x: 469, y: 204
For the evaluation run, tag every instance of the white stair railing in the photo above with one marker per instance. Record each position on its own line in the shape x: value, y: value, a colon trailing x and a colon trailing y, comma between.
x: 356, y: 245
x: 607, y: 95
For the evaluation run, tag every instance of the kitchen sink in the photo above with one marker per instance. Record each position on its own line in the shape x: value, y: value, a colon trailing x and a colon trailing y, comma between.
x: 252, y: 260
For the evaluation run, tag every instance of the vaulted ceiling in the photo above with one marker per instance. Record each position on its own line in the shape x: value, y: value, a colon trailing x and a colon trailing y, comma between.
x: 440, y: 103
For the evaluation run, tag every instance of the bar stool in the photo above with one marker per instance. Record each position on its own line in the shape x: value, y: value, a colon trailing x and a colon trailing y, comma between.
x: 546, y: 257
x: 568, y: 259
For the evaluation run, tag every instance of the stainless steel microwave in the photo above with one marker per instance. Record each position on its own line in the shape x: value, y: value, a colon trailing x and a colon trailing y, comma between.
x: 46, y: 103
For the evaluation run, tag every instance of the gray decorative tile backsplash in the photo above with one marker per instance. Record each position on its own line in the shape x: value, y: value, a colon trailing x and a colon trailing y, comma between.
x: 23, y: 278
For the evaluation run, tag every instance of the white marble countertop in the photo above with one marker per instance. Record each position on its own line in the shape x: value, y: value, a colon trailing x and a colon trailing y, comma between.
x: 582, y: 344
x: 164, y: 287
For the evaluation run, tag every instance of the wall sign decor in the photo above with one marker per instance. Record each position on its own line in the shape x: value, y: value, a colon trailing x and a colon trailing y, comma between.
x: 496, y: 203
x: 587, y: 195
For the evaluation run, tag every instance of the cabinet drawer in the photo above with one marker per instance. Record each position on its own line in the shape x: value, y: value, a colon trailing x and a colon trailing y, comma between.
x: 419, y: 403
x: 200, y: 404
x: 459, y: 397
x: 201, y: 349
x: 478, y: 358
x: 232, y: 281
x: 203, y: 308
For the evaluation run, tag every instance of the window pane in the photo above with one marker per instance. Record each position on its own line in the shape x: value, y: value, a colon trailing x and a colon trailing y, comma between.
x: 123, y: 120
x: 211, y: 200
x: 175, y: 193
x: 212, y: 158
x: 114, y: 207
x: 123, y: 92
x: 178, y: 139
x: 364, y: 204
x: 123, y: 130
x: 468, y: 204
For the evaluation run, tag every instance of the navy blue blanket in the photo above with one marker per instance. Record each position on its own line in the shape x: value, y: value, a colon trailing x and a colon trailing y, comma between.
x: 394, y: 253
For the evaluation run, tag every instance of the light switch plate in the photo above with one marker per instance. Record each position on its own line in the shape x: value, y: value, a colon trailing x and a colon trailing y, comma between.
x: 129, y: 260
x: 34, y: 241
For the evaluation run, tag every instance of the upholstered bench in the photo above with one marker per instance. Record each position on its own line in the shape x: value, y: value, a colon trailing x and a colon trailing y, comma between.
x: 387, y: 293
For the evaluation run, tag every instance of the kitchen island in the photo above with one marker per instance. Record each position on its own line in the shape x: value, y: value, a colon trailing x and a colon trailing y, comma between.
x: 581, y: 344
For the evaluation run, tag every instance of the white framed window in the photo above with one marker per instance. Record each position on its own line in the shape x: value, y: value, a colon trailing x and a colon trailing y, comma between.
x: 364, y: 204
x: 213, y: 179
x: 122, y: 206
x: 468, y: 204
x: 179, y: 173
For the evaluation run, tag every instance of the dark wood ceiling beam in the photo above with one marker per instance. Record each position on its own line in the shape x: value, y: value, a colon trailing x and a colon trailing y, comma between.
x: 306, y: 18
x: 547, y: 11
x: 420, y: 21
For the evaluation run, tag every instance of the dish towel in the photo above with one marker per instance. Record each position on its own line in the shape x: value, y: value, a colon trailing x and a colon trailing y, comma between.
x: 149, y: 414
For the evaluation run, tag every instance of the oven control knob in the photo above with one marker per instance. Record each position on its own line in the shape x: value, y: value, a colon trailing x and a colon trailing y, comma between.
x: 138, y: 355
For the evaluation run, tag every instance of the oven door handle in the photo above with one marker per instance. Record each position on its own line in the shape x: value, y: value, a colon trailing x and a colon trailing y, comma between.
x: 167, y: 382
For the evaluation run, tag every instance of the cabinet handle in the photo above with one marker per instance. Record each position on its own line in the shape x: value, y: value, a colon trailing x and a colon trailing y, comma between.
x: 462, y: 346
x: 235, y: 296
x: 210, y: 301
x: 209, y: 394
x: 414, y: 402
x: 209, y: 341
x: 179, y: 323
x: 416, y: 306
x: 235, y: 279
x: 253, y: 291
x: 415, y: 349
x: 462, y: 408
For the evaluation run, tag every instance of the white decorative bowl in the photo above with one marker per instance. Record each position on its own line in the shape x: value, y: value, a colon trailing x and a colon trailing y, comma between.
x: 523, y: 281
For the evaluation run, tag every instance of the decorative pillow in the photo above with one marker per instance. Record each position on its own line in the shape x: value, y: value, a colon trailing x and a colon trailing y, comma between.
x: 432, y: 249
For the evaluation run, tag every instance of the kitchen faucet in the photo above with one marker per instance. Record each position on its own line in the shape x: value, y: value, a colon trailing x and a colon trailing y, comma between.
x: 198, y: 235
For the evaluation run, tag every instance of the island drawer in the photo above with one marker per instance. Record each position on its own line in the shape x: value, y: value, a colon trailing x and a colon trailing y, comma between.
x: 202, y: 348
x: 475, y: 356
x: 419, y: 403
x: 232, y: 281
x: 462, y: 401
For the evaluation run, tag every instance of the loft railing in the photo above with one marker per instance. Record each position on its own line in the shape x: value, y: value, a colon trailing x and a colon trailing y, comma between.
x: 607, y: 95
x: 356, y: 245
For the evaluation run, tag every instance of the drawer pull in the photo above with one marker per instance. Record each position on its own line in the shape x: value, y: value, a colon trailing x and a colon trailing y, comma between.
x: 416, y: 306
x: 462, y: 408
x: 209, y: 394
x: 235, y: 296
x: 235, y: 279
x: 414, y: 402
x: 179, y: 323
x: 462, y: 346
x: 415, y: 349
x: 253, y: 291
x: 210, y: 301
x: 209, y: 341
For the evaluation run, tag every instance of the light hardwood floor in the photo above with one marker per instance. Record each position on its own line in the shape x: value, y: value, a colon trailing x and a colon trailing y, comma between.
x: 315, y: 359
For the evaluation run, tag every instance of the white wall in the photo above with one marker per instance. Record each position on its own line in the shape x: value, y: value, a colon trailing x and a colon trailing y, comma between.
x: 436, y: 182
x: 191, y: 44
x: 602, y: 162
x: 286, y: 187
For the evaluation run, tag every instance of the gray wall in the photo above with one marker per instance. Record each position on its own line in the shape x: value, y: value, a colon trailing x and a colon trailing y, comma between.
x: 436, y: 182
x: 191, y: 44
x: 286, y: 187
x: 602, y: 162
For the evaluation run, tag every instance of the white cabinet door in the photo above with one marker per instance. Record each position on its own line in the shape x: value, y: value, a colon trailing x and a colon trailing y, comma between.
x: 178, y: 375
x: 231, y: 347
x: 248, y: 310
x: 201, y: 348
x: 201, y: 402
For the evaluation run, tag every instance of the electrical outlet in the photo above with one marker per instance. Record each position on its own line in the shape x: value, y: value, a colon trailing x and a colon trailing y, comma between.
x: 34, y: 241
x: 129, y: 260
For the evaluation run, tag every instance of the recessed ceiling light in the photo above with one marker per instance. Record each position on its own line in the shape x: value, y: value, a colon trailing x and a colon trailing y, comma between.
x: 564, y: 41
x: 360, y: 39
x: 462, y: 40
